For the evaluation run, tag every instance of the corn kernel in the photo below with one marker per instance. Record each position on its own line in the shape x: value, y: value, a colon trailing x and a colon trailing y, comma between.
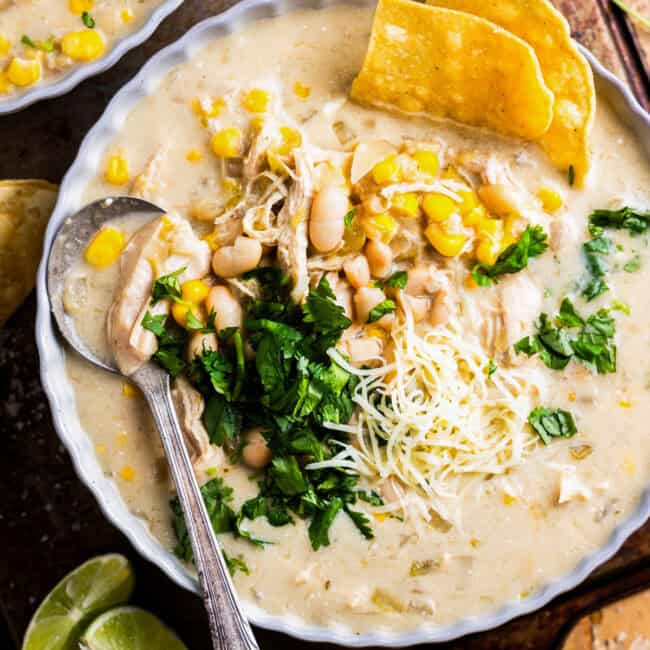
x: 180, y: 311
x: 551, y: 200
x: 194, y: 291
x: 84, y: 45
x: 629, y: 465
x: 126, y: 15
x: 290, y: 140
x: 256, y: 100
x: 508, y: 499
x: 406, y: 205
x: 380, y: 226
x: 447, y: 244
x: 386, y: 171
x: 427, y: 161
x: 475, y: 216
x: 121, y: 439
x: 572, y: 396
x: 625, y: 404
x: 488, y: 251
x: 212, y: 240
x: 488, y: 227
x: 193, y: 156
x: 127, y: 473
x: 227, y: 143
x: 300, y: 91
x: 438, y: 207
x: 215, y: 108
x: 469, y: 201
x: 79, y: 6
x: 377, y: 332
x: 117, y: 170
x: 274, y: 162
x: 129, y: 390
x: 4, y: 83
x: 100, y: 448
x: 22, y: 72
x: 451, y: 174
x: 5, y: 45
x: 105, y: 247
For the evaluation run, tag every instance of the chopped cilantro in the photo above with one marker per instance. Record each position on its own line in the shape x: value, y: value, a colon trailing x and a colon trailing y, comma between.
x: 532, y: 243
x: 167, y: 286
x: 594, y: 251
x: 590, y: 340
x: 492, y: 368
x: 349, y: 218
x: 171, y: 343
x: 633, y: 265
x: 370, y: 497
x: 552, y: 423
x: 398, y: 280
x: 383, y: 308
x: 88, y: 20
x: 634, y: 221
x: 235, y: 564
x: 25, y: 40
x: 571, y: 175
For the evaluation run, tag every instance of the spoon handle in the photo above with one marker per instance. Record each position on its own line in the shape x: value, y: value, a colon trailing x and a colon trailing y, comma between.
x: 228, y: 626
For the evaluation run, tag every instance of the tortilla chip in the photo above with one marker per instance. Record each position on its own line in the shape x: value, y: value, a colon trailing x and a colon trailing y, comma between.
x: 443, y: 63
x: 566, y: 72
x: 25, y: 208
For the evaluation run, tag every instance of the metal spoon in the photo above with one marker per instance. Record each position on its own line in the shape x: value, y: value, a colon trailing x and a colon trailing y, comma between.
x: 229, y: 628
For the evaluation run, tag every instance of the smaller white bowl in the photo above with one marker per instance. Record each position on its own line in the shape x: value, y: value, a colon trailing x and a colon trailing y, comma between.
x: 65, y: 83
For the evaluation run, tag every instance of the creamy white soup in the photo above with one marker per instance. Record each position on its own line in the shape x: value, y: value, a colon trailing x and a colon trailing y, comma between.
x: 450, y: 447
x: 41, y: 40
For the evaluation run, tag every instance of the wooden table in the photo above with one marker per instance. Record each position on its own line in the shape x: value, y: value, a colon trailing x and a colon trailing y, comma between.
x: 49, y: 522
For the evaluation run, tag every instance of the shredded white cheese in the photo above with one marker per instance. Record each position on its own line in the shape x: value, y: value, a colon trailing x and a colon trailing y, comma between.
x: 435, y: 419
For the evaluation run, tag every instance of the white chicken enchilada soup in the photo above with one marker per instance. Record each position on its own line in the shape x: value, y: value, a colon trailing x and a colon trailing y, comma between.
x: 400, y: 286
x: 42, y: 40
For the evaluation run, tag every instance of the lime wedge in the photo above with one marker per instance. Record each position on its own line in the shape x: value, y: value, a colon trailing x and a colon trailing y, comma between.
x: 129, y: 628
x: 90, y: 589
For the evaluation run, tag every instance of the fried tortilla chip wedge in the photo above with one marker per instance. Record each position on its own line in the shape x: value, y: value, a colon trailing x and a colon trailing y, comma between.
x: 449, y: 64
x: 566, y: 72
x: 25, y: 208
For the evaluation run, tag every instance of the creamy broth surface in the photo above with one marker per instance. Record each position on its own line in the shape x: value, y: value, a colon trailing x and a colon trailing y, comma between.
x: 514, y: 537
x: 41, y: 40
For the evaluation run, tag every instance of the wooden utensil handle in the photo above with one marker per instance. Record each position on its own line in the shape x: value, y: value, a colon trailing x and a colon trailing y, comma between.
x: 229, y: 628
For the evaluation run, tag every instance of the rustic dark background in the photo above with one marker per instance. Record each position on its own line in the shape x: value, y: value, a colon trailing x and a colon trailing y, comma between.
x: 50, y: 523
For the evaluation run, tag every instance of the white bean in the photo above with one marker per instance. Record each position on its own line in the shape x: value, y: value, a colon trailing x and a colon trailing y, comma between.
x: 228, y: 311
x: 199, y: 343
x: 230, y: 261
x: 499, y: 199
x: 357, y: 271
x: 364, y: 300
x: 255, y: 453
x: 380, y: 258
x: 327, y: 218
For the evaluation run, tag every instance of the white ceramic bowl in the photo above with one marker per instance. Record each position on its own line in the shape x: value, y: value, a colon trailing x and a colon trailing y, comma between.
x: 60, y: 392
x: 66, y: 82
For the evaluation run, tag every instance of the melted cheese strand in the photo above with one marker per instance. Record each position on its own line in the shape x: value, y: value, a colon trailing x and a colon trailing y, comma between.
x: 435, y: 419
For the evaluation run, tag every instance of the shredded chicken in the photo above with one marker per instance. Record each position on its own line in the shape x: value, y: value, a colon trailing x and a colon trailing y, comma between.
x: 189, y: 407
x: 292, y: 221
x: 147, y: 184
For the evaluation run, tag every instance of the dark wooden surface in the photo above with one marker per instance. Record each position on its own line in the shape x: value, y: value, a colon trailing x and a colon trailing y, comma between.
x: 49, y: 522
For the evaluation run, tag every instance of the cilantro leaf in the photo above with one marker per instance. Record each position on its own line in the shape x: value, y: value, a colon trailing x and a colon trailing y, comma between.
x: 349, y: 218
x: 288, y: 476
x: 222, y: 422
x: 532, y: 243
x: 383, y: 308
x: 217, y: 497
x: 361, y: 521
x: 322, y: 521
x: 323, y: 312
x: 88, y: 20
x: 552, y: 423
x: 633, y: 265
x: 398, y: 280
x: 235, y: 564
x: 634, y: 221
x: 167, y: 286
x: 571, y: 175
x: 171, y: 343
x: 370, y: 497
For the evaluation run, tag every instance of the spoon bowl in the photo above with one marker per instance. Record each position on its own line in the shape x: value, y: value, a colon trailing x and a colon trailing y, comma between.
x: 228, y: 626
x: 67, y: 249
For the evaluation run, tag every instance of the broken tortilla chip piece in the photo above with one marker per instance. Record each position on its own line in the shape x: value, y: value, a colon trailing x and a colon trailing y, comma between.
x: 444, y: 63
x: 25, y: 208
x: 566, y: 72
